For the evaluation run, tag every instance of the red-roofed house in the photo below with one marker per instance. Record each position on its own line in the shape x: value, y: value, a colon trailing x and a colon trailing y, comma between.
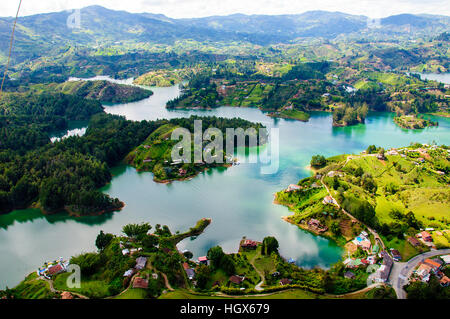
x: 203, y: 260
x: 140, y: 283
x: 426, y: 236
x: 237, y: 279
x: 54, y: 270
x: 249, y: 244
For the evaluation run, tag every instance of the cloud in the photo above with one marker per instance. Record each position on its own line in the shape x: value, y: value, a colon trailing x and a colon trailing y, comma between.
x: 199, y: 8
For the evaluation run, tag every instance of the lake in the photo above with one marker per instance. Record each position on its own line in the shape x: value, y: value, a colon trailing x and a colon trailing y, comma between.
x: 440, y: 77
x: 238, y: 199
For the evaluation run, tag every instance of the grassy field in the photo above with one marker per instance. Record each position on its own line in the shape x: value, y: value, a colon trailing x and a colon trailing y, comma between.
x: 133, y: 293
x: 33, y: 288
x: 294, y: 115
x: 89, y: 288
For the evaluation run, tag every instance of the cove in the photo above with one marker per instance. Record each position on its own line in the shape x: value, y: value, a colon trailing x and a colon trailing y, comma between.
x: 238, y: 199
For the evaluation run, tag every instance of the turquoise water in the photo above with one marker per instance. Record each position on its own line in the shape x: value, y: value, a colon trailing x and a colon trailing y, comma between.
x: 238, y: 199
x: 440, y: 77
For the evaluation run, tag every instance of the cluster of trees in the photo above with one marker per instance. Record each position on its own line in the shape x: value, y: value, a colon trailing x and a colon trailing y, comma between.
x: 348, y: 115
x: 220, y: 260
x: 318, y: 161
x: 27, y: 118
x: 430, y: 290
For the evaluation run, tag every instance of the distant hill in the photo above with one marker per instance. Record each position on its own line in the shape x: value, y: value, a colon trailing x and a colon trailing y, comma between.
x: 46, y: 33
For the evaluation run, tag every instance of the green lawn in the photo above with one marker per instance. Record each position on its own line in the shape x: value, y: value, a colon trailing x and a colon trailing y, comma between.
x: 89, y: 288
x: 133, y: 293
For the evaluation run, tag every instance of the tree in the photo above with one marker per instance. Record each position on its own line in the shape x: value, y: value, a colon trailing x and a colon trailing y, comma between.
x: 136, y: 230
x: 335, y: 229
x: 188, y: 255
x: 202, y: 276
x: 318, y: 161
x: 215, y: 255
x: 270, y: 244
x: 103, y: 240
x: 149, y: 242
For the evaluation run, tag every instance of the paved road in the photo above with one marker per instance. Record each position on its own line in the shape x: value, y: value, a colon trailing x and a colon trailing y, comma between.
x: 402, y: 271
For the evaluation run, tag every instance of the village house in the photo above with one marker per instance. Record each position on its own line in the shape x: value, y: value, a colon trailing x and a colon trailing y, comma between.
x: 285, y: 281
x: 392, y: 152
x: 413, y: 241
x: 293, y: 187
x: 54, y: 270
x: 237, y: 279
x: 335, y: 173
x: 426, y: 236
x: 329, y: 200
x: 250, y: 244
x: 349, y: 275
x: 140, y: 283
x: 396, y: 255
x: 423, y: 272
x: 435, y: 266
x: 363, y: 242
x: 353, y: 263
x: 446, y: 259
x: 203, y: 260
x: 182, y: 171
x: 445, y: 281
x: 315, y: 225
x: 382, y: 274
x: 129, y: 273
x: 190, y: 273
x: 140, y: 263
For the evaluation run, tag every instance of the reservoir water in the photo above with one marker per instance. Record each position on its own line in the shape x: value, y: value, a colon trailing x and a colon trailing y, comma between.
x: 238, y: 199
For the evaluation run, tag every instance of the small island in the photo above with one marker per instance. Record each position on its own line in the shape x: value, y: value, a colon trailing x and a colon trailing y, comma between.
x: 349, y: 115
x: 413, y: 122
x: 155, y: 153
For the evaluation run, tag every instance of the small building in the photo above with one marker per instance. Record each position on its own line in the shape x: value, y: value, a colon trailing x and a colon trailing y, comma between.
x: 186, y: 266
x: 237, y: 279
x: 413, y: 241
x: 445, y: 281
x: 423, y: 272
x: 426, y: 236
x: 384, y: 271
x: 314, y: 224
x: 446, y: 259
x: 203, y: 260
x: 329, y: 200
x: 190, y: 273
x: 128, y: 273
x: 125, y: 251
x: 141, y: 262
x: 349, y: 275
x: 435, y: 266
x: 140, y: 283
x: 285, y: 281
x: 182, y: 171
x: 54, y: 270
x: 293, y: 187
x: 396, y: 255
x: 250, y: 244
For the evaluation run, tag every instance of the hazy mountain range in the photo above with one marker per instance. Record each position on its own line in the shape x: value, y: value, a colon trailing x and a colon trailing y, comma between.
x: 42, y: 32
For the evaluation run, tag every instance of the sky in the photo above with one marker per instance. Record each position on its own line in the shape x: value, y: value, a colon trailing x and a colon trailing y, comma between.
x: 202, y: 8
